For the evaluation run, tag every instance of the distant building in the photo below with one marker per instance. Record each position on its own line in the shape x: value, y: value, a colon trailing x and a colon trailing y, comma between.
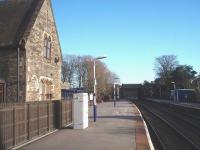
x: 130, y: 91
x: 30, y: 53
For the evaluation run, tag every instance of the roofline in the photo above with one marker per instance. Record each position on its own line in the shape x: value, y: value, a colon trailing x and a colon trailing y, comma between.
x: 27, y: 24
x: 56, y: 29
x: 24, y: 24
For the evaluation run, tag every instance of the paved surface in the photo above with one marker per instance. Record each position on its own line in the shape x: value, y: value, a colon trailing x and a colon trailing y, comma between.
x: 114, y: 130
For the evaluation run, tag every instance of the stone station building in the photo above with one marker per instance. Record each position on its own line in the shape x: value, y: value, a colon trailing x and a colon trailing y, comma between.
x: 30, y: 52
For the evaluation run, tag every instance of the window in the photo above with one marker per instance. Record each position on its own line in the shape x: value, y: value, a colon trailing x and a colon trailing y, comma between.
x: 2, y: 92
x: 46, y: 90
x: 47, y: 47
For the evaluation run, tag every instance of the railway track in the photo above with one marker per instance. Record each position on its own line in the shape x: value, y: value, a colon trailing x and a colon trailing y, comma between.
x: 171, y: 127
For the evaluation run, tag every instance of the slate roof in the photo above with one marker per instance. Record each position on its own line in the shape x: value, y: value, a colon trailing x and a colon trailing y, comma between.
x: 15, y: 16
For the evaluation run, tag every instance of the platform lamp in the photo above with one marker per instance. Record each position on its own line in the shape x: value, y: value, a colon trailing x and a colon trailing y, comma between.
x: 95, y: 83
x: 114, y: 92
x: 174, y: 83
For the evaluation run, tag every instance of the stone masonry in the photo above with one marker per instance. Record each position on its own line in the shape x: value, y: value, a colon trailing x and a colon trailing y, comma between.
x: 39, y: 68
x: 39, y: 77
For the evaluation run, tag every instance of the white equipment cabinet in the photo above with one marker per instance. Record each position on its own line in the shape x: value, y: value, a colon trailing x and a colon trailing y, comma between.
x: 80, y: 110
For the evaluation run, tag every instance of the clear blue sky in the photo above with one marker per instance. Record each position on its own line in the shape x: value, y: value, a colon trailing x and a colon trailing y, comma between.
x: 131, y: 33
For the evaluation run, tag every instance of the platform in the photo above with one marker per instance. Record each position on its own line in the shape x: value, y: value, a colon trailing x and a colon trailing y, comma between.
x: 184, y: 104
x: 117, y: 128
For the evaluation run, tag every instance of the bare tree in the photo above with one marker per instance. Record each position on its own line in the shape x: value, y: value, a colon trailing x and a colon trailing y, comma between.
x: 89, y: 82
x: 68, y: 68
x: 105, y: 80
x: 164, y: 66
x: 79, y: 70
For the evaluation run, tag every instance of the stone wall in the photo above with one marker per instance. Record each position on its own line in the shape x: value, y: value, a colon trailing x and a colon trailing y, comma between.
x: 33, y: 67
x: 38, y: 68
x: 8, y: 72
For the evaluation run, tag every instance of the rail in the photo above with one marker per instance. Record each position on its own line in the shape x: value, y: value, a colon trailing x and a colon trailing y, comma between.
x: 171, y: 126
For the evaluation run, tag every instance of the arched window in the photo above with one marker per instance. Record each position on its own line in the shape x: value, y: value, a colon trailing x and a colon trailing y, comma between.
x: 47, y: 47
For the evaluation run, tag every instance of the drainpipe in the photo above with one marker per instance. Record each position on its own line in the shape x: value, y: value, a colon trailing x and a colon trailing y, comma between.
x: 18, y: 57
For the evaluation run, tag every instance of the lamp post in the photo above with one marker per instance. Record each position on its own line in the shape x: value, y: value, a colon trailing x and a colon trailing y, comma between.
x: 95, y: 83
x: 160, y: 90
x: 175, y: 92
x: 114, y: 92
x: 117, y: 90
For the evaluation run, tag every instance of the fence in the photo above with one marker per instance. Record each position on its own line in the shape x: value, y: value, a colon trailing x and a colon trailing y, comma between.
x: 22, y: 122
